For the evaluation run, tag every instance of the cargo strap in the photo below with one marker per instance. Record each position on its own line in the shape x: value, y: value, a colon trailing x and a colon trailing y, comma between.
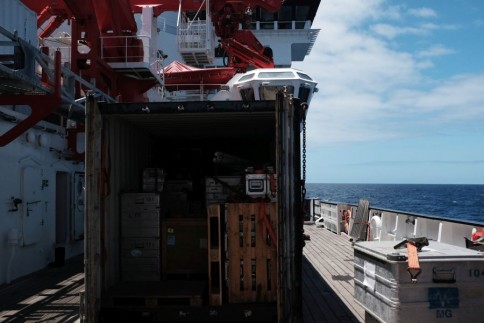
x: 413, y: 263
x: 267, y: 223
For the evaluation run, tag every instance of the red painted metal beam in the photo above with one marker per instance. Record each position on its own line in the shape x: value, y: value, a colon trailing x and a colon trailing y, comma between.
x: 53, y: 25
x: 41, y: 105
x: 245, y: 50
x: 46, y: 10
x: 115, y: 16
x: 216, y: 5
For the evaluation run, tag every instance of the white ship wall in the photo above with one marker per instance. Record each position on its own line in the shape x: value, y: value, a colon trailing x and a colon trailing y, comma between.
x: 287, y: 45
x: 31, y: 171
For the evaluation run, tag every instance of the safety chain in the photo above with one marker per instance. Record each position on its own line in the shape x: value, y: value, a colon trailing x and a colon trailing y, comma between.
x: 303, y: 189
x: 303, y: 180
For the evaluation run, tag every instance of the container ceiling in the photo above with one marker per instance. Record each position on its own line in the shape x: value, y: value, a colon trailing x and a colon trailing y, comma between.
x: 166, y: 121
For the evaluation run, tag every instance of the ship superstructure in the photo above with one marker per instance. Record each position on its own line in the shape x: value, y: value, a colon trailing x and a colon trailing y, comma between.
x: 53, y: 53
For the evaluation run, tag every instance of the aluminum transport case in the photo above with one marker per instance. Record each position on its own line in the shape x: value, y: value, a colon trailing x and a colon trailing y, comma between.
x: 450, y: 286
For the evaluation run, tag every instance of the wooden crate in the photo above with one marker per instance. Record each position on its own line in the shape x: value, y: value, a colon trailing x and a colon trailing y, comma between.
x: 214, y: 255
x: 251, y: 252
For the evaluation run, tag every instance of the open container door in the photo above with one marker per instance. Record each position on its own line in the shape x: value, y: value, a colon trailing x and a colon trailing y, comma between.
x: 288, y: 119
x: 92, y: 218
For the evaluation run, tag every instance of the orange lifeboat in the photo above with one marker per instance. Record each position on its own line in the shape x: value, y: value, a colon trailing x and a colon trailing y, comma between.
x: 179, y: 76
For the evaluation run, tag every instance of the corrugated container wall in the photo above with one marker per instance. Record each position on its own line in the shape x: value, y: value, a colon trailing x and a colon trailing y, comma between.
x: 124, y: 146
x: 15, y: 16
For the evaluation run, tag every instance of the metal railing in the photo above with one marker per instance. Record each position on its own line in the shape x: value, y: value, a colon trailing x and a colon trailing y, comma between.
x: 39, y: 66
x: 276, y: 25
x: 126, y: 49
x: 393, y: 225
x: 179, y: 92
x: 193, y: 35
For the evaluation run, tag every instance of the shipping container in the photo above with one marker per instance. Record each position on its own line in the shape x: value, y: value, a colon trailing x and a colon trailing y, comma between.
x: 222, y: 240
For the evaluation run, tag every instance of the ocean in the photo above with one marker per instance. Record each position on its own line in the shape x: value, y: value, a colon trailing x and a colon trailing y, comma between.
x: 463, y: 202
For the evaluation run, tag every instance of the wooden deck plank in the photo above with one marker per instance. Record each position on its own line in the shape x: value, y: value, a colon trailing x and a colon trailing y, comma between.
x: 341, y: 279
x: 50, y: 295
x: 315, y: 293
x: 330, y: 258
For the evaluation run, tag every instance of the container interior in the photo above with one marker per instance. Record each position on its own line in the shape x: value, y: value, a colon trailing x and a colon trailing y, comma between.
x: 167, y: 224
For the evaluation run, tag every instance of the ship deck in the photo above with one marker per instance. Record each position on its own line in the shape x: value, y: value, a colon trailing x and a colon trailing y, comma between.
x: 52, y: 294
x: 49, y: 295
x: 328, y: 273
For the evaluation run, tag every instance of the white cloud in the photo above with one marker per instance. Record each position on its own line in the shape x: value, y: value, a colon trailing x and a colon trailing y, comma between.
x: 432, y: 27
x: 434, y: 51
x: 348, y: 12
x: 392, y: 12
x: 371, y: 91
x: 478, y: 23
x: 423, y: 12
x: 458, y: 99
x: 390, y: 31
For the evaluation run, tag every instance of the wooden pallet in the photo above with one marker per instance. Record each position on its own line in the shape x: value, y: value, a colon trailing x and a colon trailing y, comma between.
x: 251, y: 252
x: 155, y: 294
x: 214, y: 256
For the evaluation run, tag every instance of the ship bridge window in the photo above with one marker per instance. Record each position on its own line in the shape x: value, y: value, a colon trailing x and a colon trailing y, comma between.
x: 285, y: 17
x: 268, y: 92
x: 304, y: 93
x: 276, y: 75
x: 304, y: 76
x: 247, y: 94
x: 266, y: 19
x: 302, y: 15
x: 246, y: 77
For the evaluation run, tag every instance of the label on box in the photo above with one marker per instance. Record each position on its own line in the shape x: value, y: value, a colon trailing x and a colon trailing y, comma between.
x: 443, y: 297
x: 369, y: 279
x: 170, y: 240
x: 136, y: 253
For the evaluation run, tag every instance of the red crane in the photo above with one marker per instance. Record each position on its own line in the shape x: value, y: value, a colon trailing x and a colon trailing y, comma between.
x: 95, y: 19
x: 104, y: 26
x: 242, y: 46
x: 92, y: 20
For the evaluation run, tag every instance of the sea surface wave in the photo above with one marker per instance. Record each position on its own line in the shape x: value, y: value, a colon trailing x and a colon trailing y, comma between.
x: 463, y: 202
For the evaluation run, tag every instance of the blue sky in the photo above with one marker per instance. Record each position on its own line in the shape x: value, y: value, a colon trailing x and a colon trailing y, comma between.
x: 401, y: 92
